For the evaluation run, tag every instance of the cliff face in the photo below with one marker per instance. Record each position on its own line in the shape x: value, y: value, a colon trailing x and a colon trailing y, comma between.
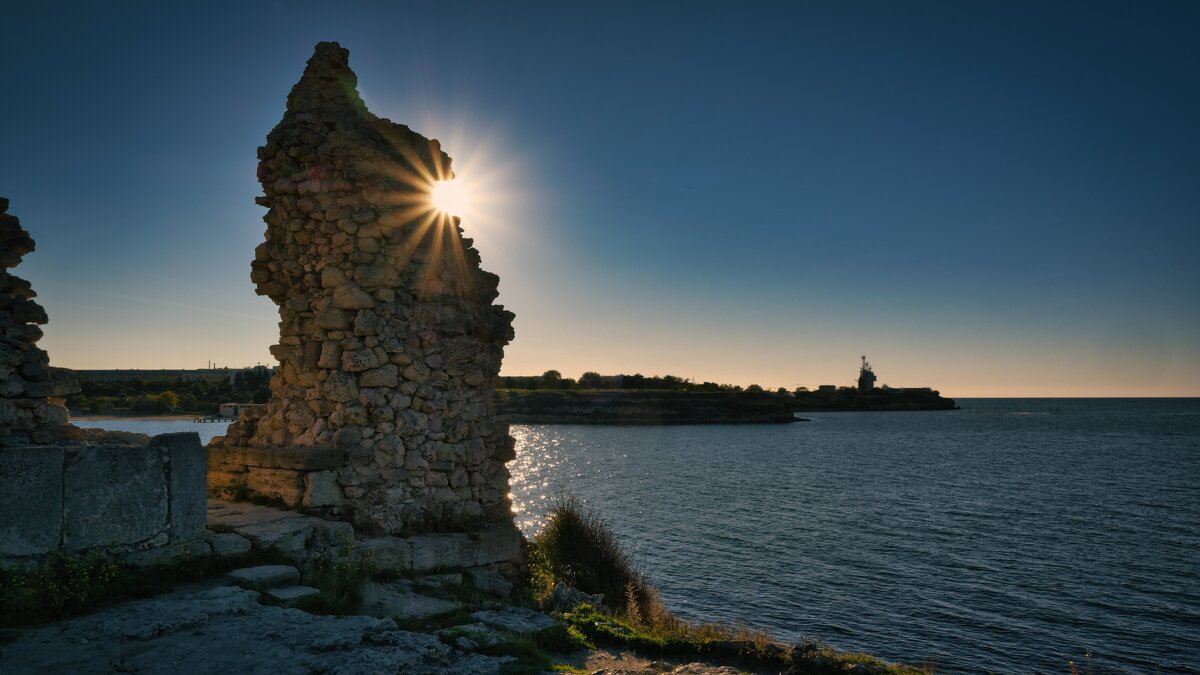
x: 389, y: 339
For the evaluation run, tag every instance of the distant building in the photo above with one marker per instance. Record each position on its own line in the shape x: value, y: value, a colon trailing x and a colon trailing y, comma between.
x: 866, y: 376
x: 233, y: 410
x: 136, y: 374
x: 164, y: 374
x: 827, y: 388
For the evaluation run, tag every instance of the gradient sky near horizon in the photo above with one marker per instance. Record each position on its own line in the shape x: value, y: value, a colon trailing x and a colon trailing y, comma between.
x: 991, y: 198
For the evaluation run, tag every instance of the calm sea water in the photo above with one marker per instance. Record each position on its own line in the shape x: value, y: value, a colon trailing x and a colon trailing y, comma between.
x: 1010, y: 536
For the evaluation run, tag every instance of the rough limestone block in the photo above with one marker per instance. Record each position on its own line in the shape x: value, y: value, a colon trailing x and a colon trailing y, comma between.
x: 227, y: 544
x: 289, y: 537
x: 189, y: 484
x: 290, y: 596
x: 31, y: 492
x: 489, y: 581
x: 265, y: 576
x: 515, y: 620
x: 393, y: 600
x: 168, y: 555
x: 440, y: 551
x: 447, y: 580
x: 391, y: 554
x: 500, y: 542
x: 321, y: 489
x: 114, y: 495
x: 283, y: 484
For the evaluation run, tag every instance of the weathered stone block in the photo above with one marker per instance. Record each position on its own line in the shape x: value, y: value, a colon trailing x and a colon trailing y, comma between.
x: 186, y: 463
x: 283, y: 484
x: 489, y: 581
x: 291, y: 596
x: 298, y: 459
x: 265, y: 576
x: 170, y: 554
x: 498, y: 542
x: 438, y: 551
x: 390, y: 554
x: 227, y: 544
x: 321, y: 489
x: 113, y: 495
x: 31, y: 498
x: 515, y: 620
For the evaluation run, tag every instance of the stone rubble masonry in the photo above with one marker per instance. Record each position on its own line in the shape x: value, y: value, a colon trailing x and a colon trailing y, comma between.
x: 381, y: 409
x: 28, y: 414
x: 72, y: 489
x: 110, y: 497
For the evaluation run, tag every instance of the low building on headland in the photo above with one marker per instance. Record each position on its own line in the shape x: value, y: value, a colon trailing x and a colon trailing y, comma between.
x: 233, y: 410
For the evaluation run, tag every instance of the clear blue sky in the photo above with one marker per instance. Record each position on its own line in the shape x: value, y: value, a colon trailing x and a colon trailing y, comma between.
x: 986, y: 197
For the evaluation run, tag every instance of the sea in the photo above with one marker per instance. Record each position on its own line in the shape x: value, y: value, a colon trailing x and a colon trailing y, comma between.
x: 1011, y: 535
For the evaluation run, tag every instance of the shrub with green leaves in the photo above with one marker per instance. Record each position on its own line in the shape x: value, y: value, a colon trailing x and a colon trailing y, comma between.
x: 577, y: 548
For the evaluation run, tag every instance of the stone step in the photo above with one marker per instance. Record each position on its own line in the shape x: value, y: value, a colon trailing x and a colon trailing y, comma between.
x: 263, y: 577
x: 290, y: 596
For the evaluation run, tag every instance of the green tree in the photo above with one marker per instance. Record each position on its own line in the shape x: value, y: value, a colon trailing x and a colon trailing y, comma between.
x: 591, y: 380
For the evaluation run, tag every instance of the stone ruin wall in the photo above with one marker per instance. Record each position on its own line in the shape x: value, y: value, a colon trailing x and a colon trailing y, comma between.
x: 28, y: 414
x: 72, y: 489
x: 381, y: 409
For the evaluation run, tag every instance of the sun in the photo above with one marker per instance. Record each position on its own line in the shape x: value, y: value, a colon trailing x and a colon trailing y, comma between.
x: 450, y: 197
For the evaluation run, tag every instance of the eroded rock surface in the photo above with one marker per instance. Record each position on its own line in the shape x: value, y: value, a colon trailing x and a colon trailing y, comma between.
x: 227, y: 630
x: 389, y: 339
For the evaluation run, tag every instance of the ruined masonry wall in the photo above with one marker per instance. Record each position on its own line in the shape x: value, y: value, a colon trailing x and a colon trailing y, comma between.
x: 118, y: 498
x: 27, y: 415
x: 66, y: 488
x: 381, y: 410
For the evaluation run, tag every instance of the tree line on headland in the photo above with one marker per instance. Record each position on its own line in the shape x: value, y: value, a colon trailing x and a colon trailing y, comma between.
x: 165, y: 395
x: 202, y: 396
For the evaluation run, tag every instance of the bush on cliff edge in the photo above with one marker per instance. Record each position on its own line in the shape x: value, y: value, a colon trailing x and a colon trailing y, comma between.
x: 578, y: 549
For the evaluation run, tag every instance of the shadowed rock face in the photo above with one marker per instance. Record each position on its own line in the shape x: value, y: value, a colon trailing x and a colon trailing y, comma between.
x: 389, y: 339
x: 26, y: 378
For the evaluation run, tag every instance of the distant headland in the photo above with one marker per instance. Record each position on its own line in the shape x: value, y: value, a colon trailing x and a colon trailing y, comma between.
x: 548, y: 398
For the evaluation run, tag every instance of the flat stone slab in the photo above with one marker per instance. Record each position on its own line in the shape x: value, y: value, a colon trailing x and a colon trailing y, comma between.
x: 238, y: 514
x: 290, y: 596
x: 489, y: 581
x: 300, y: 459
x: 265, y: 576
x: 490, y: 544
x: 227, y: 544
x: 446, y: 580
x: 395, y: 600
x: 515, y: 620
x: 289, y: 532
x: 226, y: 630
